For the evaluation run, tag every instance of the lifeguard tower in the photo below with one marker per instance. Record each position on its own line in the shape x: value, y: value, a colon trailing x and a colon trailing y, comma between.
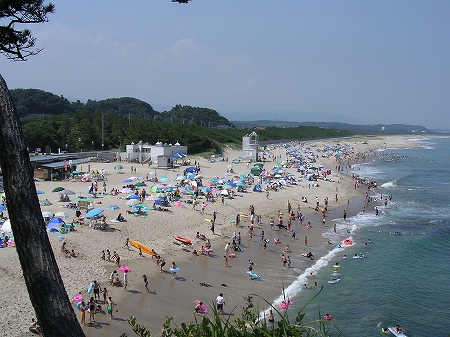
x: 250, y: 145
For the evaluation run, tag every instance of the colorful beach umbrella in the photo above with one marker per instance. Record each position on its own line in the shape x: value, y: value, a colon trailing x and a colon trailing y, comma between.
x: 67, y: 192
x: 94, y: 212
x: 58, y: 189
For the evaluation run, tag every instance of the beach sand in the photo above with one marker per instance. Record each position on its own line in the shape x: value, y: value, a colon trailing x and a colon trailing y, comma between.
x: 200, y: 277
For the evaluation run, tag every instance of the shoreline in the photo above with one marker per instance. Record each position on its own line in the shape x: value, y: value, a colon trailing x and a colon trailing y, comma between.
x: 175, y: 297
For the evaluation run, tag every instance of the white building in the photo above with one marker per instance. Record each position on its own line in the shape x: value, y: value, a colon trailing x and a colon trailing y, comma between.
x: 250, y: 145
x: 159, y: 154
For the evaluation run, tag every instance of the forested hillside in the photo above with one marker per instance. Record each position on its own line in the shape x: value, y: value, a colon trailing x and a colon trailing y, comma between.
x: 51, y: 121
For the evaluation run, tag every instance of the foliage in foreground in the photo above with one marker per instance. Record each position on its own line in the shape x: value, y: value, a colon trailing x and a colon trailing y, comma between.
x: 249, y: 324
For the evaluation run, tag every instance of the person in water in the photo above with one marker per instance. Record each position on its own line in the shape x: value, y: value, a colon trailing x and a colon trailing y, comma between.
x: 398, y: 329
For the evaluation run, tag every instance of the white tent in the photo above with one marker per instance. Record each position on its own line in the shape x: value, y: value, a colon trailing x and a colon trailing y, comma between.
x: 6, y: 227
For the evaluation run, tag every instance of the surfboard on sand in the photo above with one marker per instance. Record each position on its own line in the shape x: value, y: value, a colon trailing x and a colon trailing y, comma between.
x: 144, y: 248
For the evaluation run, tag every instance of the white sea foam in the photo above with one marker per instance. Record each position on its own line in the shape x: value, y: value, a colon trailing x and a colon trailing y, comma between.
x: 390, y: 184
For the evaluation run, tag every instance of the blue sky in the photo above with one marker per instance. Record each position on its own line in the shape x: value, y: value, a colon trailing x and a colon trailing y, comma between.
x: 359, y: 61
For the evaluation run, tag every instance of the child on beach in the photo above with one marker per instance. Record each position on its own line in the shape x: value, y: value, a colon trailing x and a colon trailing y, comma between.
x: 146, y: 283
x: 83, y: 313
x: 226, y: 260
x: 174, y: 269
x: 105, y: 294
x: 125, y: 279
x: 110, y: 307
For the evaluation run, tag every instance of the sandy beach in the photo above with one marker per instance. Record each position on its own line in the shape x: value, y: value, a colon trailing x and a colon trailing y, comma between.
x: 200, y: 277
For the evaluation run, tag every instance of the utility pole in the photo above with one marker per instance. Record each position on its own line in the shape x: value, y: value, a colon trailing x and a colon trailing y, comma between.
x: 103, y: 129
x: 70, y: 126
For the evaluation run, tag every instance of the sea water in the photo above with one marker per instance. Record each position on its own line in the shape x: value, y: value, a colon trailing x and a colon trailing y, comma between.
x: 404, y: 277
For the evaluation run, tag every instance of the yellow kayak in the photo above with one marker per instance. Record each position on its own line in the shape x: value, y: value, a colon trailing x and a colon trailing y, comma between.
x: 143, y: 248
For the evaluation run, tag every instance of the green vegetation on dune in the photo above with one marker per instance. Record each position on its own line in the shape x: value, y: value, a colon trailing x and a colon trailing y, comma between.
x: 82, y: 131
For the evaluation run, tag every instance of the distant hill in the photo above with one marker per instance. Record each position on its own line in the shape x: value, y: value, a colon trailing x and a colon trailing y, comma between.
x: 185, y: 114
x: 37, y: 103
x: 377, y: 128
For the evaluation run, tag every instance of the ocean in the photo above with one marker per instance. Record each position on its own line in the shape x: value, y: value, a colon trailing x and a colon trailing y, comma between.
x: 404, y: 275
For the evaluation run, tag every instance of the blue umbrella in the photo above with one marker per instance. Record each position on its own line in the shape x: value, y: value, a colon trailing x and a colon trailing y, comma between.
x: 2, y: 208
x: 39, y: 192
x: 58, y: 221
x: 128, y: 180
x: 94, y: 212
x: 133, y: 196
x: 113, y: 207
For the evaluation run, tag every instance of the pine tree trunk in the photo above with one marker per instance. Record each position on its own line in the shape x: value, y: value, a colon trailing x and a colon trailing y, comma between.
x: 42, y: 277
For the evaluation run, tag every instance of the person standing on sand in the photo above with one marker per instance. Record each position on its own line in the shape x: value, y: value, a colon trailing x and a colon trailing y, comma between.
x: 83, y: 313
x: 111, y: 277
x: 96, y: 288
x: 110, y: 307
x: 105, y: 294
x: 146, y: 283
x: 91, y: 307
x: 306, y: 241
x: 225, y: 260
x: 174, y: 268
x: 162, y: 263
x: 220, y: 303
x: 345, y: 214
x: 125, y: 280
x: 214, y: 216
x: 127, y: 244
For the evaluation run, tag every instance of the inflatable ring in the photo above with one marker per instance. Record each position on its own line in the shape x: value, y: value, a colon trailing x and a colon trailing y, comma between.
x: 232, y: 255
x: 276, y: 240
x: 285, y: 305
x: 174, y: 270
x: 348, y: 242
x: 328, y: 317
x: 78, y: 298
x: 79, y: 306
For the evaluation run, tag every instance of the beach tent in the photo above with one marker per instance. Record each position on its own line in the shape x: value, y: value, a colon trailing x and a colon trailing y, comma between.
x: 6, y: 227
x: 257, y: 188
x: 191, y: 169
x: 178, y: 155
x: 256, y: 170
x: 55, y: 223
